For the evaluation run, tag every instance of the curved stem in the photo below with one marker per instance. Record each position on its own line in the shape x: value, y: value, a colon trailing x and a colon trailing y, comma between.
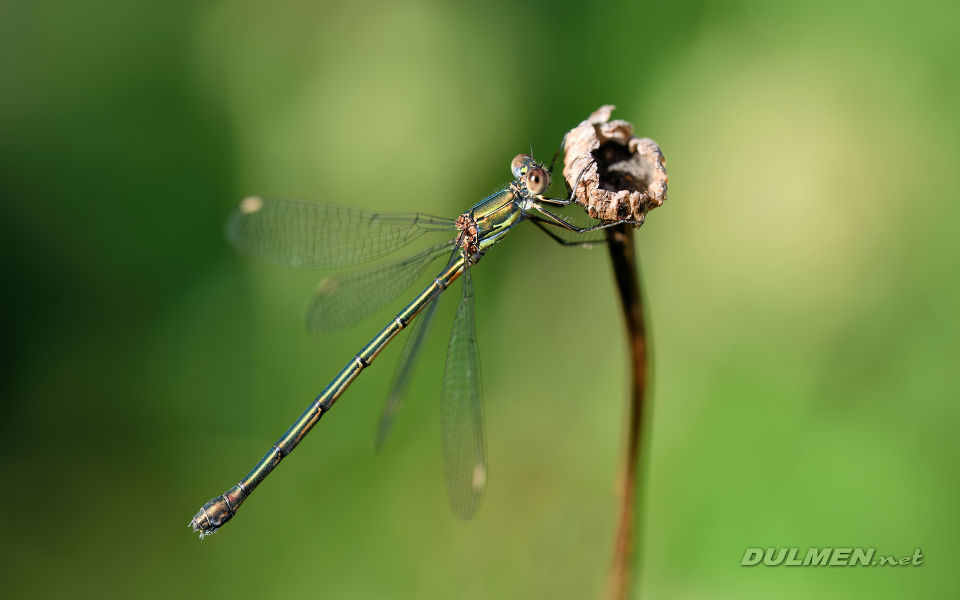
x: 624, y: 262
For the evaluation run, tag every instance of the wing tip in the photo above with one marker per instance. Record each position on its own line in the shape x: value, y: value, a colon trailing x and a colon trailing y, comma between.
x: 251, y: 204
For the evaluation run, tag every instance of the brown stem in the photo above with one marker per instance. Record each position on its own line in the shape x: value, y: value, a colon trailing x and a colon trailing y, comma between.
x: 619, y: 177
x: 623, y: 258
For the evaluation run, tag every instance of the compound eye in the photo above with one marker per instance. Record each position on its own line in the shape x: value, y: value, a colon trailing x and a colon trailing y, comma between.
x: 537, y: 181
x: 516, y: 166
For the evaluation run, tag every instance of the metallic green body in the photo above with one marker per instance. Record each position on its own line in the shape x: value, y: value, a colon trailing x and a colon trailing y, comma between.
x: 493, y: 216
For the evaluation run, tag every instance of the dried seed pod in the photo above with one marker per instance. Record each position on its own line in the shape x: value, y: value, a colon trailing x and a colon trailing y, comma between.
x: 614, y: 174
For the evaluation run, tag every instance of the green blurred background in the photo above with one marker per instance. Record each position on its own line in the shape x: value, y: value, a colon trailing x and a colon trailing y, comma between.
x: 801, y: 280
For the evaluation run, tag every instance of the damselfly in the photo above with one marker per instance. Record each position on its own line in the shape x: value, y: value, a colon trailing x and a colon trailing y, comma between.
x: 314, y: 235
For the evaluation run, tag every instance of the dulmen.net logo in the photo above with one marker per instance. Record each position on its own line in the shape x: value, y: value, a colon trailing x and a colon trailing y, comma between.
x: 826, y: 557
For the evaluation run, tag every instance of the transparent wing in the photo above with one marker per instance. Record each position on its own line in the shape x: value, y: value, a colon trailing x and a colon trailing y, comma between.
x: 346, y: 298
x: 461, y: 412
x: 314, y: 235
x: 401, y: 377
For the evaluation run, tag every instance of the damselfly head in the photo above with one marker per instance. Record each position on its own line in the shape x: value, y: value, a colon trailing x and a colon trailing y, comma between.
x: 533, y: 178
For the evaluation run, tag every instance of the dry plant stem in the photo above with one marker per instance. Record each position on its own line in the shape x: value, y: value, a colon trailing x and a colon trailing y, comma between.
x: 617, y: 176
x: 623, y: 259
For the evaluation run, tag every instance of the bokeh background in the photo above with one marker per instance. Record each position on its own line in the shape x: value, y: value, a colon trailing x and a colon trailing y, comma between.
x: 801, y: 282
